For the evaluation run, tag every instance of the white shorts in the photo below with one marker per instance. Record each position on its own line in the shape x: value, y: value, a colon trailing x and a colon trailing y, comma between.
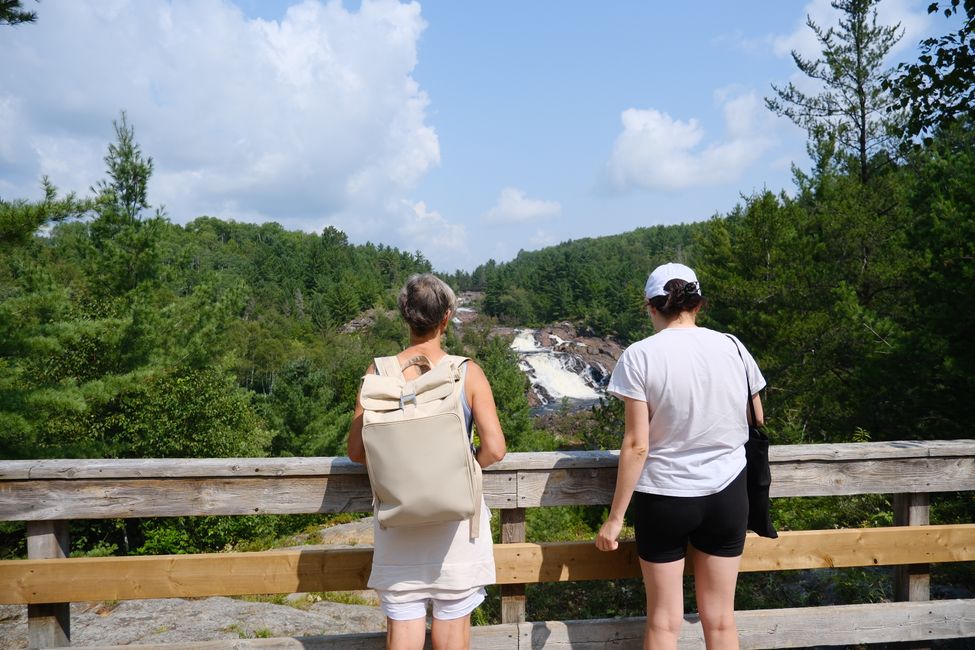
x: 443, y: 610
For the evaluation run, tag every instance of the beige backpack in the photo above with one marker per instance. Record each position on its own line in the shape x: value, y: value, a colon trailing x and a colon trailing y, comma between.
x: 418, y: 452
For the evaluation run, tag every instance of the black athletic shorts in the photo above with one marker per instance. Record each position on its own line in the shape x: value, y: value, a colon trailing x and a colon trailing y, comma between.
x: 714, y: 524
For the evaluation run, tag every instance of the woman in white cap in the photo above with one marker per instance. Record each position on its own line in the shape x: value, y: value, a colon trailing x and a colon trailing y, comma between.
x: 682, y: 460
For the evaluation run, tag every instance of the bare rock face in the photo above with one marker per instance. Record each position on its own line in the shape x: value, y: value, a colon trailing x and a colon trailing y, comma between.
x: 590, y: 357
x: 596, y: 351
x: 176, y: 620
x: 366, y: 320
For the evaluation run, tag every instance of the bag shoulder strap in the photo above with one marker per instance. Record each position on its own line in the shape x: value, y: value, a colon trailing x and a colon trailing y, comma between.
x: 751, y: 405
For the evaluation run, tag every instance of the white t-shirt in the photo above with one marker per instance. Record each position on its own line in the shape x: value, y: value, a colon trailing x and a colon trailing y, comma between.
x: 693, y: 381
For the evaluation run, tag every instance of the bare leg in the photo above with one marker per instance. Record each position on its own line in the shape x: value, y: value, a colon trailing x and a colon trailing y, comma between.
x: 453, y: 634
x: 664, y: 584
x: 406, y: 635
x: 714, y: 585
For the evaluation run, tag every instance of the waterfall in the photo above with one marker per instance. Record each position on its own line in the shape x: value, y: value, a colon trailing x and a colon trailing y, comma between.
x: 556, y: 374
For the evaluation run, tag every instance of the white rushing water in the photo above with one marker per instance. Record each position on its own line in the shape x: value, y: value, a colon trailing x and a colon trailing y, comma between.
x: 553, y: 375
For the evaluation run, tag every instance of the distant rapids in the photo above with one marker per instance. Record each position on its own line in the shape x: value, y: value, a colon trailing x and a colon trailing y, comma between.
x: 559, y: 374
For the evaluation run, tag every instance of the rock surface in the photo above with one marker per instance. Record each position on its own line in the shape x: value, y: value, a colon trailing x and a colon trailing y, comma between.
x: 177, y: 620
x: 182, y: 621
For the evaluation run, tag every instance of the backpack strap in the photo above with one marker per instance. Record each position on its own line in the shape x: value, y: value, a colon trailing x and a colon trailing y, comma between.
x: 460, y: 368
x: 387, y: 366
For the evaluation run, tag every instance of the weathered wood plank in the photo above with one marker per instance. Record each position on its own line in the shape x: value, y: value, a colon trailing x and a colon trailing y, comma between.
x: 513, y: 601
x: 44, y: 499
x: 561, y: 487
x: 871, y: 450
x: 78, y: 489
x: 912, y: 581
x: 770, y: 628
x: 113, y: 468
x: 48, y: 624
x: 515, y: 461
x: 170, y: 576
x: 832, y: 478
x: 780, y: 628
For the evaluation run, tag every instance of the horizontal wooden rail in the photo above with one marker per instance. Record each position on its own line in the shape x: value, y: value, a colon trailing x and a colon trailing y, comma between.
x: 768, y: 628
x: 211, y: 574
x: 96, y: 489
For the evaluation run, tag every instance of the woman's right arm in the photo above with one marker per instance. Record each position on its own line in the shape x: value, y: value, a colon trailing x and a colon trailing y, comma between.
x: 357, y: 452
x: 481, y: 398
x: 633, y: 454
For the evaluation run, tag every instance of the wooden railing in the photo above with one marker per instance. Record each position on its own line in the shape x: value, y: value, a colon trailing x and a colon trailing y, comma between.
x: 48, y: 493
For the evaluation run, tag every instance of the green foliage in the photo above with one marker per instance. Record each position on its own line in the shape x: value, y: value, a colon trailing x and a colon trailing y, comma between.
x: 597, y: 282
x: 20, y: 220
x: 12, y: 12
x: 852, y: 110
x: 938, y: 90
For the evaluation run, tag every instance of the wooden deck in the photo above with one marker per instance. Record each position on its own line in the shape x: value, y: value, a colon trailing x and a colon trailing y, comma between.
x: 48, y: 493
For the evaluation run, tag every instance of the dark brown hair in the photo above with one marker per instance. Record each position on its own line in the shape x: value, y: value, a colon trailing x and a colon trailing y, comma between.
x: 681, y: 296
x: 424, y: 301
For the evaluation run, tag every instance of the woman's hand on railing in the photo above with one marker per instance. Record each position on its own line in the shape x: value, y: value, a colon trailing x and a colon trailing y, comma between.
x: 606, y: 540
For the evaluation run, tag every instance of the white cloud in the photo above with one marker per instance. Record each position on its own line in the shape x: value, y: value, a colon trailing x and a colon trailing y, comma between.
x: 543, y: 238
x: 442, y: 242
x: 514, y: 207
x: 657, y: 152
x: 305, y: 120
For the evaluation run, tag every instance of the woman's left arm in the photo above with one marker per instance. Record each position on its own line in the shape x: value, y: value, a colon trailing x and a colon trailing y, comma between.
x: 493, y: 446
x: 759, y: 411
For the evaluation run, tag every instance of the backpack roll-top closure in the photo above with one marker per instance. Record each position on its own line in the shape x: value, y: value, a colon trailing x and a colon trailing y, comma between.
x: 392, y: 393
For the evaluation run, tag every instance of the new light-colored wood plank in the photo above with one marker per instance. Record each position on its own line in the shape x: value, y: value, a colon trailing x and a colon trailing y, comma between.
x: 896, y: 545
x: 184, y: 576
x: 769, y: 628
x: 792, y: 550
x: 113, y: 578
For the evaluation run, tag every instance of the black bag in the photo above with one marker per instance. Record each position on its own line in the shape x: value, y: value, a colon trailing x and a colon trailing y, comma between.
x: 759, y: 476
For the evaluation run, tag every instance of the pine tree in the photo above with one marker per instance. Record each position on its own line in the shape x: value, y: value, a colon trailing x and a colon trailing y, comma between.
x: 852, y: 111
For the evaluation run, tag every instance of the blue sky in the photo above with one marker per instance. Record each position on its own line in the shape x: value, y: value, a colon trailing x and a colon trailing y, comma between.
x: 466, y: 130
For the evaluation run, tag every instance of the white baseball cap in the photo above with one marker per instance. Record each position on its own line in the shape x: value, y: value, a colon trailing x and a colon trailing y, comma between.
x: 664, y: 274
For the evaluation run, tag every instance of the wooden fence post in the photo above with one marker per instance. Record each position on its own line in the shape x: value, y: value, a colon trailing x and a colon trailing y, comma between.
x: 48, y: 624
x: 912, y: 581
x: 513, y: 596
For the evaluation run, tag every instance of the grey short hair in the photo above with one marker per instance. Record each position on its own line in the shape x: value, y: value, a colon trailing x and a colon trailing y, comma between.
x: 424, y: 302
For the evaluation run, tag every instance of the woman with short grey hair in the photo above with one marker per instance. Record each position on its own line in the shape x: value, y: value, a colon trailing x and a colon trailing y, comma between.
x: 439, y: 564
